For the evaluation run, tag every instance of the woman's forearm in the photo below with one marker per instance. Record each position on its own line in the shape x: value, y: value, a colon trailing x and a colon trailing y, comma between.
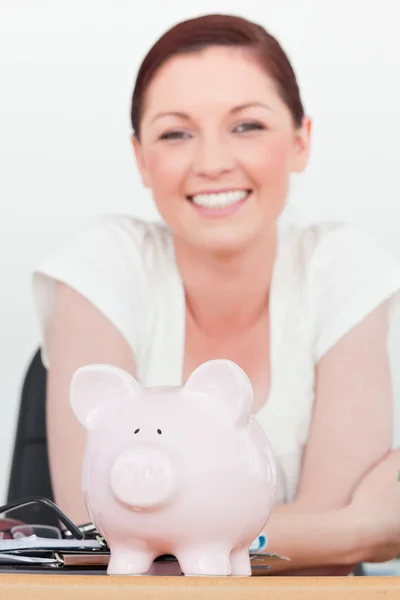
x: 327, y: 539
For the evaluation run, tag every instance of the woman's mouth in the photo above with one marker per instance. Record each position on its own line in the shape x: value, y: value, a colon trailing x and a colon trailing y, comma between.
x: 219, y: 203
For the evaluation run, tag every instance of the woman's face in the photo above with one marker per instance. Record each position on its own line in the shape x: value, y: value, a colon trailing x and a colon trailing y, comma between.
x: 217, y: 146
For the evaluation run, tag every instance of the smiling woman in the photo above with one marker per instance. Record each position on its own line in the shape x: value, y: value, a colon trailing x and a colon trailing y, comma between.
x: 218, y: 130
x: 232, y: 136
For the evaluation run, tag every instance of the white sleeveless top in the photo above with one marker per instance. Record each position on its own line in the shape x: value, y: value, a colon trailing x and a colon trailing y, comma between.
x: 326, y: 279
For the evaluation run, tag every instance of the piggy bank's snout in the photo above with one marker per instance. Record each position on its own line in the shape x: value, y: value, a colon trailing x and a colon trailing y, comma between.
x: 142, y: 478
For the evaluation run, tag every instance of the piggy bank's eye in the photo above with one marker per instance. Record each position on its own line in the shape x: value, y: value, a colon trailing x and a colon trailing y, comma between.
x: 159, y: 431
x: 136, y: 431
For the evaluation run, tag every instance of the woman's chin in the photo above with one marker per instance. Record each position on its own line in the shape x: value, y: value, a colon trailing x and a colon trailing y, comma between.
x: 227, y: 241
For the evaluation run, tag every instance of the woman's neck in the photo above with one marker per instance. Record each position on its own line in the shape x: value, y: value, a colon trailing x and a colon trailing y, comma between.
x: 227, y: 295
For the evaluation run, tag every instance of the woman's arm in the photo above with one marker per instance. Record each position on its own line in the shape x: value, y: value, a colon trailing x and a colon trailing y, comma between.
x: 352, y: 424
x: 351, y: 431
x: 326, y: 543
x: 78, y: 335
x: 368, y: 529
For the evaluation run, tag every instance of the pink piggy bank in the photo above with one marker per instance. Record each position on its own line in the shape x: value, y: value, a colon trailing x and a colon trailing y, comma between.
x: 184, y: 470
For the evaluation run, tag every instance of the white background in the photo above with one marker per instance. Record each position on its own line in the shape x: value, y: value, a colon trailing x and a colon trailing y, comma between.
x: 67, y: 71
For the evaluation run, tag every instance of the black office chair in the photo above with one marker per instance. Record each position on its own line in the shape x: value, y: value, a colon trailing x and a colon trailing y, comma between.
x: 30, y: 474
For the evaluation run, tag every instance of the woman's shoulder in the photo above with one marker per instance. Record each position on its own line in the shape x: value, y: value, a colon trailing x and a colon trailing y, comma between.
x: 346, y: 273
x: 113, y: 241
x: 121, y: 230
x: 336, y: 247
x: 112, y: 261
x: 311, y: 240
x: 136, y: 229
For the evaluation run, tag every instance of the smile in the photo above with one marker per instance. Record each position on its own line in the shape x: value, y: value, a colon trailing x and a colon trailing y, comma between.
x: 219, y: 199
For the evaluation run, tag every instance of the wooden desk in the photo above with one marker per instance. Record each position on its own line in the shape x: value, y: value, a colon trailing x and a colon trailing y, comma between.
x: 90, y: 587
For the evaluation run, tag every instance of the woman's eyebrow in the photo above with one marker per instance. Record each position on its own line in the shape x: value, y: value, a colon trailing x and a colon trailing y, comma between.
x: 249, y: 105
x: 170, y: 114
x: 233, y: 110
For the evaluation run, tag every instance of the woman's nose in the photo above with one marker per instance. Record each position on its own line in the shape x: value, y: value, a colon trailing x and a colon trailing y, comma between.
x: 212, y: 158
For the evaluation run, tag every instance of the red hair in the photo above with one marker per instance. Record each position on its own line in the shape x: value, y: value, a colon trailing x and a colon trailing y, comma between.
x: 202, y: 32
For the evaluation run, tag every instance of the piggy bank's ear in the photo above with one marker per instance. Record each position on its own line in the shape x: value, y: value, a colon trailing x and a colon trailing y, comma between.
x: 228, y: 387
x: 93, y: 386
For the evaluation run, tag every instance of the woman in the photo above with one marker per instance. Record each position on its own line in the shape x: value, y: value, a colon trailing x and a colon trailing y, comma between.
x: 219, y: 128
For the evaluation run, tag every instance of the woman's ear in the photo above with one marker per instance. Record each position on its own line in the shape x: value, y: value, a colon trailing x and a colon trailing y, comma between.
x: 138, y: 150
x: 302, y: 143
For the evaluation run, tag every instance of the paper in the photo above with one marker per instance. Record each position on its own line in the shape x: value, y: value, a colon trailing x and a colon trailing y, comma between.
x: 34, y: 541
x: 17, y: 559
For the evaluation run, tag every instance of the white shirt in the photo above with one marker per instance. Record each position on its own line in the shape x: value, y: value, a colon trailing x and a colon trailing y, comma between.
x: 326, y: 279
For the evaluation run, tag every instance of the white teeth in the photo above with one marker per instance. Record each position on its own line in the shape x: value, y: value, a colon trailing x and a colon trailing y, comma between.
x: 220, y: 200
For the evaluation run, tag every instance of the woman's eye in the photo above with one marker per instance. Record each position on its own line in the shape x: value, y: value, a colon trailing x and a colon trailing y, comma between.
x: 174, y: 135
x: 250, y: 126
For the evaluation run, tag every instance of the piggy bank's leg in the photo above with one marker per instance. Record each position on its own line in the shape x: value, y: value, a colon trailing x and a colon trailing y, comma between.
x: 240, y: 562
x: 128, y: 561
x: 205, y: 561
